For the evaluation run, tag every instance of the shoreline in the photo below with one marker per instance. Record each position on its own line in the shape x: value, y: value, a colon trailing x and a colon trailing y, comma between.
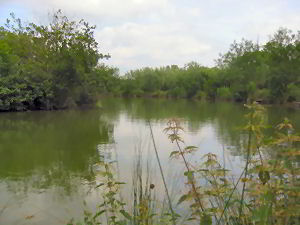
x: 294, y: 105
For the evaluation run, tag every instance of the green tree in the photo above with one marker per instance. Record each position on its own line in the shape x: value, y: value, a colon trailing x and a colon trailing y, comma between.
x: 283, y: 55
x: 48, y: 66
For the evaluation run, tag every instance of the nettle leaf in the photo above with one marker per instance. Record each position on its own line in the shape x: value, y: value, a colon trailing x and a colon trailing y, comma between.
x: 99, y: 185
x: 203, y: 170
x: 174, y: 153
x: 189, y: 174
x: 182, y: 199
x: 264, y: 176
x: 205, y: 220
x: 245, y: 179
x: 125, y: 214
x: 120, y: 183
x: 190, y: 149
x: 99, y: 214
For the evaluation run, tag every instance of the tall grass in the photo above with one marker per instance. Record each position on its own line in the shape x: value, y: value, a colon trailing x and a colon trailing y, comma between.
x: 266, y: 192
x: 144, y: 205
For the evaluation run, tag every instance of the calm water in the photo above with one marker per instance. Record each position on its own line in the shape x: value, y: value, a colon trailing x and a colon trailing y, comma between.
x: 48, y: 160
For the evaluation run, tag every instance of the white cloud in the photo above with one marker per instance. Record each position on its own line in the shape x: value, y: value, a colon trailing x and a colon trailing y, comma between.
x: 141, y: 33
x: 99, y: 8
x: 150, y: 45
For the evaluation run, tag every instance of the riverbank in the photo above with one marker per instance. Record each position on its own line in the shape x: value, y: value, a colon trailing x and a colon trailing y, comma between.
x: 294, y: 105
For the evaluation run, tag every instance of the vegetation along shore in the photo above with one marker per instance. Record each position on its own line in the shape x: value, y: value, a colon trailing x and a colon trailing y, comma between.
x: 122, y: 124
x: 59, y: 65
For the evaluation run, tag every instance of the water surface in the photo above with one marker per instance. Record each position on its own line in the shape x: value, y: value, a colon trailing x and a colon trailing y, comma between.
x: 48, y: 160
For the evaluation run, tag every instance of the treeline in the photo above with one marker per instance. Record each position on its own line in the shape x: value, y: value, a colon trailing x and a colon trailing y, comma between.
x: 50, y: 66
x: 269, y: 73
x: 58, y: 66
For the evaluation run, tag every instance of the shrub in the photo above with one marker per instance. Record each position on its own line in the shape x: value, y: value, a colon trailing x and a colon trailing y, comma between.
x: 224, y: 93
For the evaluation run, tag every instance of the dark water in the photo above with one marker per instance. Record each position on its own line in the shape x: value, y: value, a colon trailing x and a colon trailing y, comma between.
x: 48, y: 160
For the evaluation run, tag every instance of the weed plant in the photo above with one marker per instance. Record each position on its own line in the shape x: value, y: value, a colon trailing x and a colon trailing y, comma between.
x: 266, y: 192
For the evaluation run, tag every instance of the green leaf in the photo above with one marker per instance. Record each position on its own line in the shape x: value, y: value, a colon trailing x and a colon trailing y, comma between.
x: 173, y: 153
x: 99, y: 185
x: 125, y: 214
x: 98, y: 214
x: 120, y: 183
x: 182, y: 199
x: 190, y: 147
x: 205, y: 220
x: 189, y: 175
x: 203, y: 170
x: 264, y: 176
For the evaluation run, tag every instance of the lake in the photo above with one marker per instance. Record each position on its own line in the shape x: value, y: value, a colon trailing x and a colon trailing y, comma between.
x: 49, y: 160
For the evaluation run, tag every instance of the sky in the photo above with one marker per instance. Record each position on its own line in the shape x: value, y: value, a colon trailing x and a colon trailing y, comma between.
x: 141, y: 33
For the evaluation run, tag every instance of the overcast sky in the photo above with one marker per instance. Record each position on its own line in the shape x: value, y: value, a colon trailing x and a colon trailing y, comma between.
x: 139, y: 33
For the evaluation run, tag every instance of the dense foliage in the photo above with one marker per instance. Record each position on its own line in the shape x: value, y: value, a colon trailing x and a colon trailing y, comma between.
x: 57, y: 66
x: 268, y: 73
x: 50, y: 66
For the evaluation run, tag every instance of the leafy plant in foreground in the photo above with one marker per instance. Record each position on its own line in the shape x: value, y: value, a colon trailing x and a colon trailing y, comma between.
x: 268, y: 188
x: 111, y: 208
x: 173, y: 130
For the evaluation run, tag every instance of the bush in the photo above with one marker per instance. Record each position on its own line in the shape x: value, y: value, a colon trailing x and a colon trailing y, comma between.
x: 262, y: 95
x: 177, y: 92
x: 224, y: 93
x: 293, y: 92
x: 159, y: 94
x: 137, y: 93
x: 200, y: 95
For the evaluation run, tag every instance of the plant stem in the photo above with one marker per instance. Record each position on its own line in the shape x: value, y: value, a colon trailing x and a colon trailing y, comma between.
x: 246, y: 167
x: 227, y: 202
x: 162, y: 175
x: 192, y: 182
